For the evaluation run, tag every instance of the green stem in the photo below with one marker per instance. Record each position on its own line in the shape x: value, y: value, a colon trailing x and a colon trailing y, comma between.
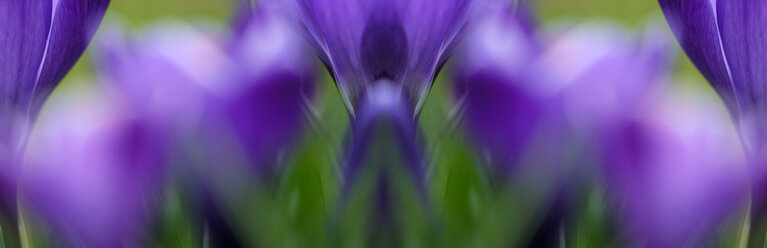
x: 10, y: 231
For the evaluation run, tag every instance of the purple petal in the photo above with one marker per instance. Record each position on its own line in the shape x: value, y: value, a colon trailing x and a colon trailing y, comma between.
x: 384, y: 46
x: 23, y: 37
x: 403, y: 41
x: 267, y: 117
x: 694, y: 22
x: 265, y: 103
x: 429, y: 34
x: 501, y: 116
x: 337, y: 26
x: 158, y: 75
x: 74, y: 24
x: 741, y: 24
x: 512, y: 85
x: 594, y: 60
x: 502, y: 105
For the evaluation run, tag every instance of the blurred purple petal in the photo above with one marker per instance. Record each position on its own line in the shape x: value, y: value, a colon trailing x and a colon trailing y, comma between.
x: 203, y: 88
x: 91, y: 169
x: 665, y: 167
x: 267, y: 117
x: 245, y: 94
x: 593, y: 62
x: 663, y: 158
x: 500, y: 107
x: 501, y: 117
x: 674, y: 170
x: 160, y: 76
x: 504, y: 105
x: 265, y: 103
x: 511, y: 84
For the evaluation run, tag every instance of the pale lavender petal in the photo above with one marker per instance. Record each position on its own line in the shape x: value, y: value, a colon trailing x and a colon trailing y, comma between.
x: 158, y: 75
x: 593, y: 61
x: 674, y: 170
x: 92, y: 168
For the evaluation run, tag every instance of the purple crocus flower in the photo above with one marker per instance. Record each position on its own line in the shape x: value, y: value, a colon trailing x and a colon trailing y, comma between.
x: 696, y: 27
x: 241, y: 98
x: 501, y: 105
x: 372, y: 45
x: 40, y: 41
x: 726, y: 42
x: 530, y: 101
x: 667, y: 158
x: 511, y: 82
x: 588, y: 85
x: 247, y: 90
x: 400, y: 42
x: 383, y: 56
x: 275, y: 83
x: 724, y: 39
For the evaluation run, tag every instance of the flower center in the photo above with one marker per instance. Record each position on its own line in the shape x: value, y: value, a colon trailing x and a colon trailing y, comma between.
x: 384, y: 48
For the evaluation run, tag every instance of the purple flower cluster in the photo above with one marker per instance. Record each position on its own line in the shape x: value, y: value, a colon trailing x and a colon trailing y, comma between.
x: 558, y: 101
